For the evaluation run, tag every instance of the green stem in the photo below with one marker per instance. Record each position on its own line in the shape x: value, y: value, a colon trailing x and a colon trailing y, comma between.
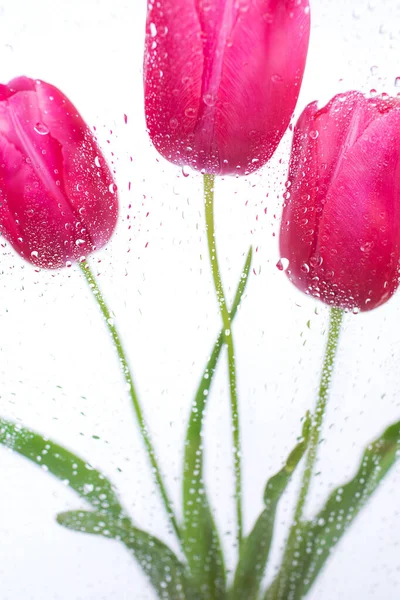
x: 228, y: 340
x: 335, y: 322
x: 151, y: 454
x: 277, y: 589
x: 193, y: 437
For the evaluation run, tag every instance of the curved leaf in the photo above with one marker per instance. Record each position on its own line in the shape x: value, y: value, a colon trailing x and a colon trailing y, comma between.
x: 201, y: 542
x: 317, y: 538
x: 78, y: 474
x: 160, y: 564
x: 166, y: 573
x: 255, y: 550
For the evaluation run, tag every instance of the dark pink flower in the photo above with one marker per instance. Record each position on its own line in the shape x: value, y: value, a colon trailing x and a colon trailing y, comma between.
x: 222, y: 78
x: 58, y: 201
x: 341, y: 222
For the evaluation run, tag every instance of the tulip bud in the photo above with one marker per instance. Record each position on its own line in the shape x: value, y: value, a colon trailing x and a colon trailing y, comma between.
x: 222, y: 78
x: 340, y: 227
x: 58, y: 201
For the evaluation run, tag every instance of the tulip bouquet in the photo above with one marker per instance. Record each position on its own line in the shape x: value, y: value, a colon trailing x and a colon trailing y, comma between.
x: 221, y: 82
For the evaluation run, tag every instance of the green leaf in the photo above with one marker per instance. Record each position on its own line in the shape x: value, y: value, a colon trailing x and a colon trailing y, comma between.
x: 255, y: 549
x: 201, y: 541
x: 79, y: 475
x: 166, y: 573
x: 317, y: 538
x: 160, y: 564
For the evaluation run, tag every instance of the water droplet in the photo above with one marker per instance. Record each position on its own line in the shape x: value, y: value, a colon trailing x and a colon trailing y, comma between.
x: 315, y: 261
x: 366, y: 247
x: 35, y: 254
x: 282, y: 264
x: 276, y: 78
x: 97, y: 162
x: 190, y: 112
x: 173, y: 123
x: 153, y: 30
x: 112, y: 188
x: 313, y: 134
x: 185, y: 171
x: 242, y: 6
x: 41, y: 129
x: 68, y: 264
x: 305, y: 268
x: 88, y: 488
x: 209, y: 99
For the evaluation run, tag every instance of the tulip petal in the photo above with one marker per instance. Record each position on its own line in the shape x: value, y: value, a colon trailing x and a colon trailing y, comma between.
x: 59, y: 200
x: 173, y: 71
x: 340, y: 225
x: 30, y: 214
x: 87, y: 180
x: 302, y: 207
x: 222, y: 79
x: 361, y: 218
x: 260, y: 83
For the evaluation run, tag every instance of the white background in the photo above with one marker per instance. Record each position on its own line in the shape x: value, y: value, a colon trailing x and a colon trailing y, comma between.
x: 58, y: 370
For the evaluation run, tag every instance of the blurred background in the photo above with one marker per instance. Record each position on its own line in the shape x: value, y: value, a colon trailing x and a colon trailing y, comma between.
x: 58, y: 371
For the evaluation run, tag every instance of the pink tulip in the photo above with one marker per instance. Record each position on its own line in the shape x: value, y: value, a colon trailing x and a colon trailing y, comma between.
x: 341, y: 221
x: 58, y: 201
x: 222, y: 78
